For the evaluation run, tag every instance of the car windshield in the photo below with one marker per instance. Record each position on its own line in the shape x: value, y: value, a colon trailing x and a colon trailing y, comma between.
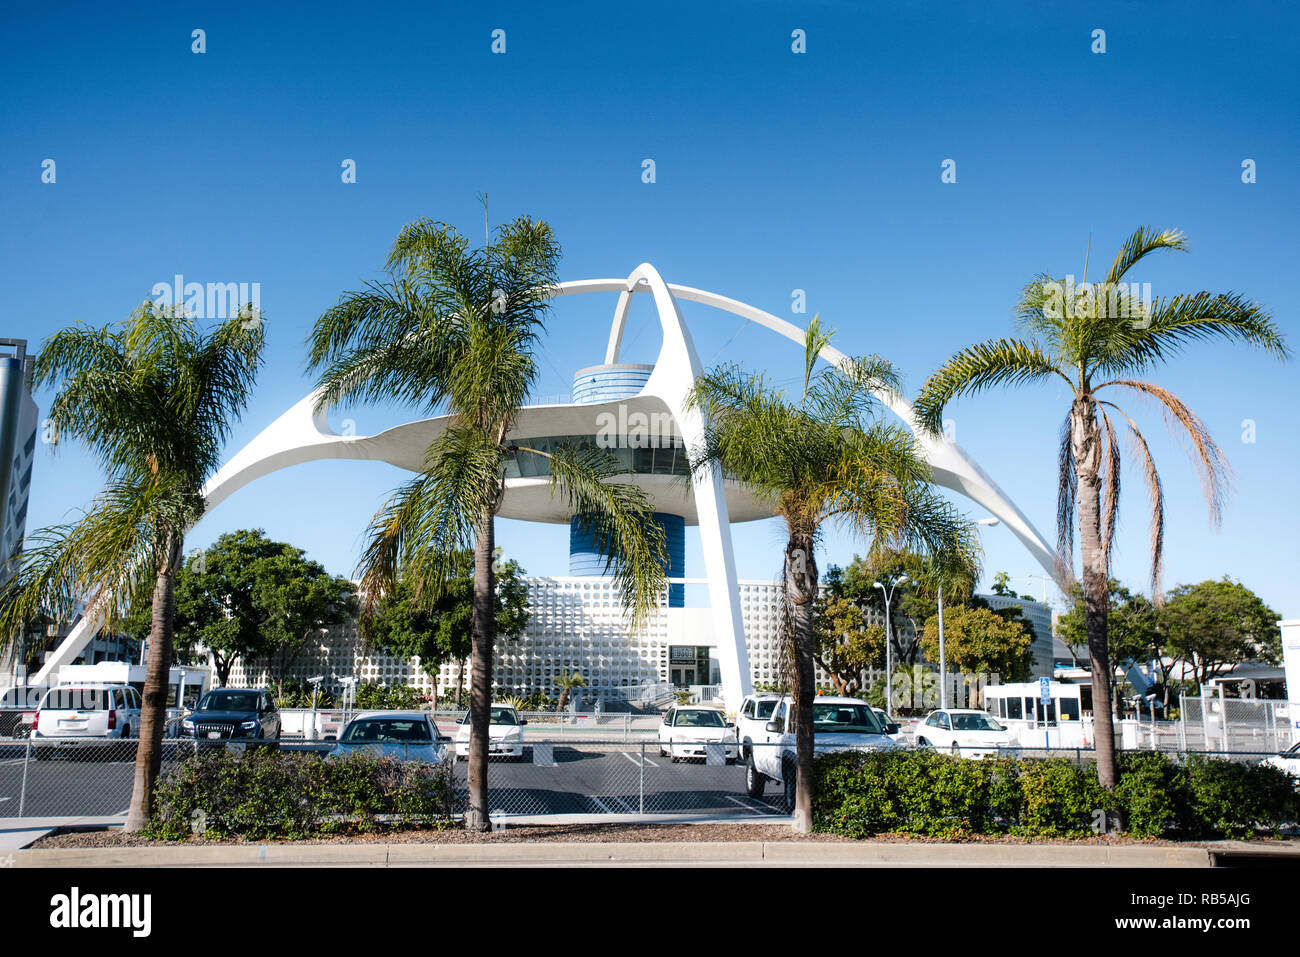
x: 974, y: 722
x: 699, y: 719
x: 499, y: 716
x: 845, y: 719
x: 404, y: 730
x: 763, y: 709
x: 229, y: 701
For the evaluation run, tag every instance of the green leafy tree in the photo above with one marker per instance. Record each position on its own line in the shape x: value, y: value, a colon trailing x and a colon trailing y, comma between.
x: 1099, y: 342
x: 846, y: 644
x: 825, y: 457
x: 437, y: 627
x: 980, y: 641
x: 215, y: 610
x: 153, y: 399
x: 456, y: 331
x: 296, y: 598
x: 1214, y: 625
x: 1132, y: 626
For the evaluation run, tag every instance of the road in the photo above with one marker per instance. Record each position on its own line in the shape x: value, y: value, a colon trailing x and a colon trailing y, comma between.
x: 585, y: 779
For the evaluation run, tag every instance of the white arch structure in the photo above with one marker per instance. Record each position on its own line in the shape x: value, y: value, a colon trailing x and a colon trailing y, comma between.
x: 303, y: 434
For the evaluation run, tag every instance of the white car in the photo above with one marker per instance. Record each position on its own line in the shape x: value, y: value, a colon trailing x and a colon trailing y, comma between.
x: 965, y: 732
x: 406, y: 735
x: 893, y: 728
x: 688, y: 730
x: 1288, y: 760
x: 505, y: 733
x: 839, y: 724
x: 751, y: 721
x: 80, y: 716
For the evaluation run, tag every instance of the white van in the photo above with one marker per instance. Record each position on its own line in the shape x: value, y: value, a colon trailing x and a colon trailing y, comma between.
x: 85, y: 715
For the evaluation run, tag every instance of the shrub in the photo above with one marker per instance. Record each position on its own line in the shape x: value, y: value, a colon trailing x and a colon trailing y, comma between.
x: 260, y: 794
x: 1152, y: 793
x: 1232, y: 799
x: 372, y: 696
x: 923, y: 792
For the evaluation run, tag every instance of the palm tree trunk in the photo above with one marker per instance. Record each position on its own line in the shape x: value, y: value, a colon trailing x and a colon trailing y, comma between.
x: 801, y: 589
x: 153, y: 714
x: 480, y: 701
x: 1086, y: 441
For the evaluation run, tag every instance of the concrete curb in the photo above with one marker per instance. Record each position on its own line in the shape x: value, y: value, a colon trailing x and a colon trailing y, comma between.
x: 584, y: 854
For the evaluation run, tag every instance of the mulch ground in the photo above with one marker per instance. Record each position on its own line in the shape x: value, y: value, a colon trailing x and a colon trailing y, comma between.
x: 574, y: 833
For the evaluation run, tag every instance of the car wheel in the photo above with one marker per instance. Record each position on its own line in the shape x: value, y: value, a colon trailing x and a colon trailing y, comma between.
x: 789, y: 778
x: 923, y: 743
x: 956, y: 750
x: 753, y: 780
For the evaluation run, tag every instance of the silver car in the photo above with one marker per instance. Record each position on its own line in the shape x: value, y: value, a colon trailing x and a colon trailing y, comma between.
x: 405, y: 735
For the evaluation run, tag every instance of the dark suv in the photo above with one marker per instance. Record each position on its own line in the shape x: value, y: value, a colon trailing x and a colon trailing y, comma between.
x: 226, y: 713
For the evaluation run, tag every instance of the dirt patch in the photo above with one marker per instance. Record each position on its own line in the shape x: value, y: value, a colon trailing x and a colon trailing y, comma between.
x: 575, y: 833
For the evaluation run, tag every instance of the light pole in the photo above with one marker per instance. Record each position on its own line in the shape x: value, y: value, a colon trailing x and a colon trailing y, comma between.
x: 943, y: 658
x: 889, y: 642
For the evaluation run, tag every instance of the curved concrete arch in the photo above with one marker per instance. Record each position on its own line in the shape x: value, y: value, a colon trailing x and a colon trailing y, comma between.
x: 303, y: 434
x: 953, y: 468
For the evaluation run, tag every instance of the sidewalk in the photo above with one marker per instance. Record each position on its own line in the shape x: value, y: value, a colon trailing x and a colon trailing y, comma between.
x: 18, y: 832
x: 645, y: 854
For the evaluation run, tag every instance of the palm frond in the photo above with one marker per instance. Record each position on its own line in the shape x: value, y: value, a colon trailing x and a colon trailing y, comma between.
x: 979, y: 367
x: 1110, y: 487
x: 1156, y: 492
x: 1067, y: 491
x: 1173, y: 323
x: 1141, y: 243
x: 1206, y: 456
x: 429, y: 520
x: 619, y: 518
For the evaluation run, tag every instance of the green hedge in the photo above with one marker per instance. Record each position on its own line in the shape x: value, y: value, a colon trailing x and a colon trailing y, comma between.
x: 932, y: 794
x: 259, y: 794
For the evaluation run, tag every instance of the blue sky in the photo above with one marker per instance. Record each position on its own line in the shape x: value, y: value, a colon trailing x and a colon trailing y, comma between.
x: 775, y: 171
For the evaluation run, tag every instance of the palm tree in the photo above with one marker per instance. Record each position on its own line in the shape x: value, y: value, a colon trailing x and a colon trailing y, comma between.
x: 456, y: 331
x: 153, y: 399
x: 566, y: 684
x: 1099, y: 340
x: 823, y: 458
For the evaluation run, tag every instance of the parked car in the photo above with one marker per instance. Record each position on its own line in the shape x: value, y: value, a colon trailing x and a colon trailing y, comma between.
x: 1288, y: 760
x: 505, y: 733
x: 18, y: 709
x: 81, y: 716
x: 891, y: 725
x: 839, y: 724
x: 407, y: 735
x: 964, y: 732
x: 225, y: 714
x: 751, y: 721
x: 688, y: 730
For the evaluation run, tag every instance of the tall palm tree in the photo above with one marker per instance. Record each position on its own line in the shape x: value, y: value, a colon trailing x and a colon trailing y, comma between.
x: 1102, y: 339
x: 457, y: 330
x: 153, y: 398
x: 825, y: 457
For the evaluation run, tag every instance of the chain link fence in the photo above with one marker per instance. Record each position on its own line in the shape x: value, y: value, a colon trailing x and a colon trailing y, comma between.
x: 49, y: 777
x: 1227, y: 726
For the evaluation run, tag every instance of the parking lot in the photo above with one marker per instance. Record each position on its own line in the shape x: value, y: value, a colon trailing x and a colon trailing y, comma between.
x: 583, y: 778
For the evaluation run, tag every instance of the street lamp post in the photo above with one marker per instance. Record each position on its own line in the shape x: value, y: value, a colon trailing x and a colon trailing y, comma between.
x: 889, y: 642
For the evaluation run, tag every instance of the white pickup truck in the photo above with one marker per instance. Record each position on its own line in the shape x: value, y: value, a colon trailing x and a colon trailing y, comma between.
x: 839, y: 724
